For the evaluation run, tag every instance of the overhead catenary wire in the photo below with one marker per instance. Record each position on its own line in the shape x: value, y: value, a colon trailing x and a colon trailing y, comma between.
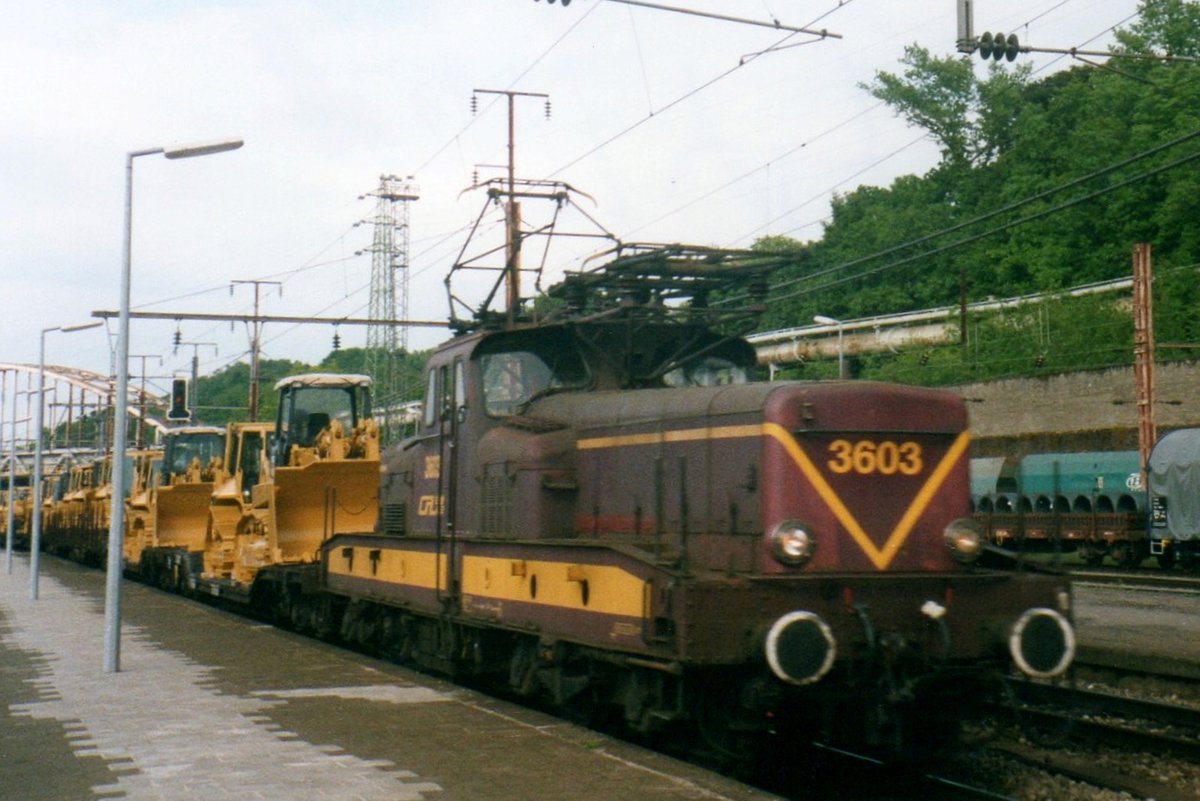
x: 873, y: 165
x: 982, y: 235
x: 733, y: 181
x: 745, y: 60
x: 1001, y: 210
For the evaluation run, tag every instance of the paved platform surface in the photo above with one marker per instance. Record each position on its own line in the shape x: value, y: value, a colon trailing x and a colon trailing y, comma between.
x: 208, y: 705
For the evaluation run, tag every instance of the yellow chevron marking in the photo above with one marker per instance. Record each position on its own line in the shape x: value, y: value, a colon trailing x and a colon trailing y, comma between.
x: 881, y: 558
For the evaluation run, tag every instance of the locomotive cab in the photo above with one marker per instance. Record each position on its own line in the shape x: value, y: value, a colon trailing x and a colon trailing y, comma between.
x: 492, y: 419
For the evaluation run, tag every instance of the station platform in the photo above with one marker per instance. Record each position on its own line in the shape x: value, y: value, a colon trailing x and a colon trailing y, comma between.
x: 209, y: 705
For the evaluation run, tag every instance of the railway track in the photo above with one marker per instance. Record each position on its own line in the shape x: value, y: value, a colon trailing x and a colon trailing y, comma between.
x: 849, y: 776
x: 1070, y: 727
x: 1086, y: 770
x: 1155, y: 579
x: 1101, y: 717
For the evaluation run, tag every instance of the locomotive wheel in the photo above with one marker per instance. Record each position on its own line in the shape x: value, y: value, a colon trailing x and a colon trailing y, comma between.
x: 730, y: 735
x: 1166, y: 559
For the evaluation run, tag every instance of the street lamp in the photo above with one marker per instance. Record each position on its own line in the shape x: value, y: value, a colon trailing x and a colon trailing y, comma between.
x: 116, y: 526
x: 35, y: 531
x: 823, y: 320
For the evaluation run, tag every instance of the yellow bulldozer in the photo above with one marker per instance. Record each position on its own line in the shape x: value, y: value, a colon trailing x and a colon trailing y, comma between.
x: 167, y: 512
x: 289, y: 486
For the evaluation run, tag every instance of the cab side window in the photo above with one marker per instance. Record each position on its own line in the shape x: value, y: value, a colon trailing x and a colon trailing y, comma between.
x: 431, y: 398
x: 460, y: 386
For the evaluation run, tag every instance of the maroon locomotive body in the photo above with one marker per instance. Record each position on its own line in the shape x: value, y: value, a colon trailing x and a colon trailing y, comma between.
x: 601, y: 510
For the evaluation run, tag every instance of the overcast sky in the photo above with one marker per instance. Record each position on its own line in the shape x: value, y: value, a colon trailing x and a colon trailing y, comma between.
x: 330, y: 95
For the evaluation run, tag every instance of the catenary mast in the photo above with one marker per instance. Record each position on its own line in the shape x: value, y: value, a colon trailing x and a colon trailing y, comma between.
x: 389, y: 288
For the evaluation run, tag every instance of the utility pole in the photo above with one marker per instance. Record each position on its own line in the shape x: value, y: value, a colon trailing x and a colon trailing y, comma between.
x: 1143, y: 350
x: 140, y: 438
x: 512, y: 249
x: 255, y: 342
x: 195, y: 396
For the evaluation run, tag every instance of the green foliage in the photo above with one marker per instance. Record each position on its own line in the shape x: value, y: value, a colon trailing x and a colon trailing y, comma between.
x: 1164, y: 26
x: 1043, y: 185
x: 971, y: 120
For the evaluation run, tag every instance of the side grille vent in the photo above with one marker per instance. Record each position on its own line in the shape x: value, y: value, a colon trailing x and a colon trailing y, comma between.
x: 497, y: 501
x: 393, y: 516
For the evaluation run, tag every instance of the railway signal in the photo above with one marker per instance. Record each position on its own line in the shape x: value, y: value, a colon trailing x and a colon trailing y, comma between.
x: 999, y: 46
x: 179, y: 400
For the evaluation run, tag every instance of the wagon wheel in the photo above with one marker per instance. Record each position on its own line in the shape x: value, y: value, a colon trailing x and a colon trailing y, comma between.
x: 1091, y: 554
x: 1127, y: 554
x: 182, y: 571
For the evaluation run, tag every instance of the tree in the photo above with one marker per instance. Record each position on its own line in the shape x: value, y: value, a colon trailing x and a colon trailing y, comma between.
x: 1170, y: 27
x: 971, y: 120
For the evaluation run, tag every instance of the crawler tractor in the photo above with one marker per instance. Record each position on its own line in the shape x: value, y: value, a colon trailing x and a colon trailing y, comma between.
x: 289, y: 487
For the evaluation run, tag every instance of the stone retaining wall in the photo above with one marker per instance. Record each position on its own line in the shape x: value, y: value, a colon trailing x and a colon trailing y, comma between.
x: 1093, y: 410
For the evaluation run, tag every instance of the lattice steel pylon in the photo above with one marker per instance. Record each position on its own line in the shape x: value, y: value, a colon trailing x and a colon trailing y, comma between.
x: 389, y: 288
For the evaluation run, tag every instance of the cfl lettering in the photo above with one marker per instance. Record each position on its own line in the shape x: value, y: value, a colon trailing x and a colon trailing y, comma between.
x: 430, y: 505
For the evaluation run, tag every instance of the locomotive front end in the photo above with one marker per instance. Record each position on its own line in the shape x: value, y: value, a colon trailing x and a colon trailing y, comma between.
x: 870, y: 579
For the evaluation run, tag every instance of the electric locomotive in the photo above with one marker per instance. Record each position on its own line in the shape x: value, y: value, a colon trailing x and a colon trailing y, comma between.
x: 598, y: 509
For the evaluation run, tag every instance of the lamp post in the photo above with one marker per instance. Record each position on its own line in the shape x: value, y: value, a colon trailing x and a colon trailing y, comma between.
x: 823, y: 320
x: 35, y: 530
x: 116, y: 526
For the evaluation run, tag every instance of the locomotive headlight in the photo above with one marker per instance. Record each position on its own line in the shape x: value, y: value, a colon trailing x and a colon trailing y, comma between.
x: 792, y: 542
x: 1042, y: 643
x: 964, y: 538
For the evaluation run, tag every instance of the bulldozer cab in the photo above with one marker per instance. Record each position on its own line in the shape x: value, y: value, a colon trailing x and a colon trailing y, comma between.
x: 247, y: 458
x: 192, y: 454
x: 312, y: 404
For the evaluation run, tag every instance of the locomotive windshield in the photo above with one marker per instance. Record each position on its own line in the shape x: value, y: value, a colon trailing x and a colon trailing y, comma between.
x: 518, y: 367
x: 711, y: 371
x: 512, y: 378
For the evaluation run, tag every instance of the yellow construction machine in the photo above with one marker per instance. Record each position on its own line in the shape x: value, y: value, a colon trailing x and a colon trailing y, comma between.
x: 288, y: 487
